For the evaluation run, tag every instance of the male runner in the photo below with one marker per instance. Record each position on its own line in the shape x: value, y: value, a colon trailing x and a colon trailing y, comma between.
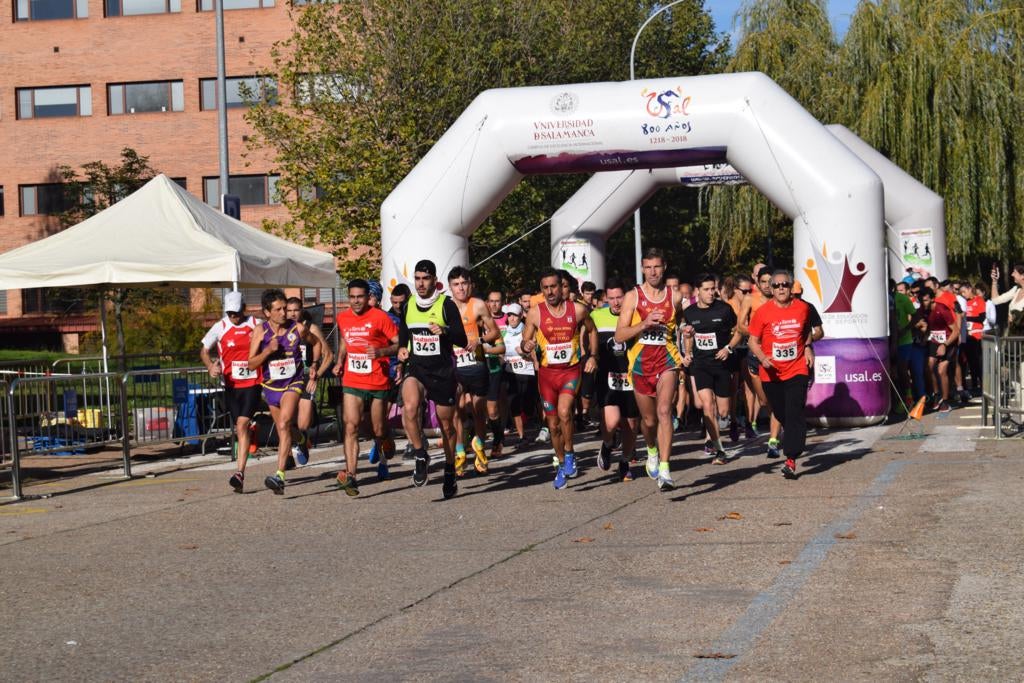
x: 520, y: 374
x: 319, y: 355
x: 471, y: 369
x: 943, y: 328
x: 275, y: 349
x: 496, y: 400
x: 399, y: 295
x: 553, y: 329
x: 431, y: 327
x: 781, y: 332
x: 648, y: 323
x: 614, y: 390
x: 756, y: 395
x: 367, y: 336
x: 232, y: 336
x: 711, y: 337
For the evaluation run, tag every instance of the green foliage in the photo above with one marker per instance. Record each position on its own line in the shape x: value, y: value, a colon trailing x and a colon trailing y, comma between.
x: 159, y: 327
x: 391, y: 76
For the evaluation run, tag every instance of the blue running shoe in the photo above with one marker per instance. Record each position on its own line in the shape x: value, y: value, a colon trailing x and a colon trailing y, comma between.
x: 382, y: 470
x: 374, y: 454
x: 570, y: 465
x: 561, y: 481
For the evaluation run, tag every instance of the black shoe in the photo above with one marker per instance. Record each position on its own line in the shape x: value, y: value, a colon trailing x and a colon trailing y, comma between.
x: 625, y: 473
x: 275, y: 484
x: 419, y: 473
x: 604, y: 458
x: 409, y: 454
x: 237, y: 481
x: 449, y: 487
x: 289, y: 463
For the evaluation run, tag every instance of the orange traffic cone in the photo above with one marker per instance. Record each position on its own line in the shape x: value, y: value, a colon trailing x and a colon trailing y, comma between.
x: 918, y: 412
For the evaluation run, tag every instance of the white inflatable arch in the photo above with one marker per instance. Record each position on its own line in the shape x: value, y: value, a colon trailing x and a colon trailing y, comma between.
x: 744, y: 119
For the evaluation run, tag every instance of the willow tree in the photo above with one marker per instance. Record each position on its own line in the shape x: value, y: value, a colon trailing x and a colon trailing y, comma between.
x: 369, y: 86
x: 792, y: 42
x: 936, y: 86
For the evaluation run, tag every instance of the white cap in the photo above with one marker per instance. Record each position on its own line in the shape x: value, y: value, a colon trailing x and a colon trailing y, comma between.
x: 514, y: 309
x: 233, y: 303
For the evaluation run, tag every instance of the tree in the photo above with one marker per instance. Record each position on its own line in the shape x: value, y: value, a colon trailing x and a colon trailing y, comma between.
x: 368, y: 87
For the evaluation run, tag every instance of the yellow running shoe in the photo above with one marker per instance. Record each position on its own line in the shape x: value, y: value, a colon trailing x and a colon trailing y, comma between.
x: 460, y: 462
x: 480, y: 462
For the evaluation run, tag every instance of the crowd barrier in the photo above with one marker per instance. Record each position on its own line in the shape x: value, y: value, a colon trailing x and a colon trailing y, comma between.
x: 79, y: 414
x: 1003, y: 384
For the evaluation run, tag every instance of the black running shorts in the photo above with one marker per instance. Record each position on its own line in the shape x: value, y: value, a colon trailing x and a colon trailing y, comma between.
x: 242, y: 402
x: 714, y: 376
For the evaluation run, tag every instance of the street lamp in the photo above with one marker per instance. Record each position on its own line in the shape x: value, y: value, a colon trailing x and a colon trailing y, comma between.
x: 637, y: 244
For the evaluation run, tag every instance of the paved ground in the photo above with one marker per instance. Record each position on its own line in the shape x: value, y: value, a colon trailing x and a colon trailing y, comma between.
x: 890, y: 558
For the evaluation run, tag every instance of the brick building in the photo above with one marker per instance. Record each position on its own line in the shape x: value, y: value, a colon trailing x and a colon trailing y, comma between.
x: 82, y: 79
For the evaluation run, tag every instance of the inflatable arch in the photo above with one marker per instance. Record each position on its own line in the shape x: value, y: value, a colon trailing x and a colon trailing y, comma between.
x: 743, y: 119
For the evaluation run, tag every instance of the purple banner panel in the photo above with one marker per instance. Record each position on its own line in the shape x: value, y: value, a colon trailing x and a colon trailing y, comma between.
x: 592, y: 162
x: 851, y: 384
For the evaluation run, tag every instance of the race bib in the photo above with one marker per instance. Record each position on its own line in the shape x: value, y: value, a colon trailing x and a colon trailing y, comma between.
x: 654, y: 336
x: 426, y: 345
x: 240, y: 370
x: 464, y: 358
x: 558, y: 354
x: 619, y: 381
x: 706, y: 341
x: 521, y: 366
x: 282, y: 369
x: 783, y: 351
x: 359, y: 363
x: 938, y: 336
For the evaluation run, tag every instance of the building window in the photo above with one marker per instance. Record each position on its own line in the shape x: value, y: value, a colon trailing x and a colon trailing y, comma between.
x: 207, y: 5
x: 136, y: 98
x: 250, y: 189
x: 49, y: 301
x: 241, y: 91
x: 43, y: 200
x: 1, y: 200
x: 128, y: 8
x: 39, y: 103
x: 180, y: 182
x: 36, y: 10
x: 3, y: 302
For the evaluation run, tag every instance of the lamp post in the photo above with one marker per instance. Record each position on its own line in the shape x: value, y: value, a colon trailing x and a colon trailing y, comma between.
x: 637, y: 243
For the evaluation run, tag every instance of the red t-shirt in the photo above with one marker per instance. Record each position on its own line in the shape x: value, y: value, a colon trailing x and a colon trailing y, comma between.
x: 940, y: 324
x: 975, y: 308
x: 947, y: 299
x: 372, y: 329
x: 783, y: 333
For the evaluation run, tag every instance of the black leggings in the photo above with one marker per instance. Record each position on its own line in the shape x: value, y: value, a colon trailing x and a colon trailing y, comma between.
x: 787, y: 400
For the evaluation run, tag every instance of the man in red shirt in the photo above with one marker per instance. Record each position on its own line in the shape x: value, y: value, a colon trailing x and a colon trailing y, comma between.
x: 367, y: 336
x: 781, y: 332
x: 943, y: 328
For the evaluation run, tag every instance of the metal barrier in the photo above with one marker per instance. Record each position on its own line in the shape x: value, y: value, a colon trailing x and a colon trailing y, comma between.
x: 1003, y: 384
x: 174, y: 405
x: 81, y: 365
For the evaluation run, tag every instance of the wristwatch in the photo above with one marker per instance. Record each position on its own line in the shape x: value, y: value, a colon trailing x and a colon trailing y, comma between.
x: 728, y: 349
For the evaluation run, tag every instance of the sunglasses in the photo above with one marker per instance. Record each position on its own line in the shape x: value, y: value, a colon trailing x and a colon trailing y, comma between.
x: 781, y: 285
x: 745, y: 291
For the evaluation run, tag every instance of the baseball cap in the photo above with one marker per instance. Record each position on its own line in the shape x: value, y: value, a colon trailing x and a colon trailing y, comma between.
x: 233, y: 302
x: 514, y: 309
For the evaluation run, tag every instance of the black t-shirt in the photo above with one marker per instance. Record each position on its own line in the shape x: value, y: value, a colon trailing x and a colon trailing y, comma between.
x: 712, y: 329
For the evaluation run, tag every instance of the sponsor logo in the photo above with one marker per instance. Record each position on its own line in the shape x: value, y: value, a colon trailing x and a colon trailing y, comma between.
x: 564, y: 103
x: 862, y: 377
x: 825, y: 369
x: 833, y: 279
x: 665, y: 104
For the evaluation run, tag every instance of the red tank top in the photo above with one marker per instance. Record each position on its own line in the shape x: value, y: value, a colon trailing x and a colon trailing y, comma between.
x: 975, y: 307
x: 233, y: 348
x: 558, y: 338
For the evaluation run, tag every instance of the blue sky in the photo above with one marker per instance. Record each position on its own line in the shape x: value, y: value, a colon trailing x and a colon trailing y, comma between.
x: 723, y: 11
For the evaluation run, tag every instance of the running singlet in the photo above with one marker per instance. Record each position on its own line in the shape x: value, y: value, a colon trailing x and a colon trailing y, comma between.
x: 655, y: 349
x: 783, y: 332
x: 469, y: 359
x: 712, y: 329
x: 612, y: 365
x: 428, y: 352
x: 284, y: 366
x: 558, y: 338
x: 373, y: 329
x: 233, y: 348
x: 940, y: 325
x: 514, y: 362
x: 976, y: 309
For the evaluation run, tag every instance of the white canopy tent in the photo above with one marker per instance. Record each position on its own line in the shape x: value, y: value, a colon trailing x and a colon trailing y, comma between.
x: 162, y: 234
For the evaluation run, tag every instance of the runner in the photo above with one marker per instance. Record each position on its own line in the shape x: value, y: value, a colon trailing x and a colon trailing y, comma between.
x: 943, y: 329
x: 380, y: 456
x: 319, y: 355
x: 553, y: 329
x: 471, y: 367
x: 648, y: 323
x: 232, y: 335
x: 431, y: 326
x: 367, y: 337
x: 614, y: 390
x: 520, y: 374
x: 275, y: 349
x: 781, y: 332
x: 710, y: 340
x: 496, y: 399
x: 756, y: 396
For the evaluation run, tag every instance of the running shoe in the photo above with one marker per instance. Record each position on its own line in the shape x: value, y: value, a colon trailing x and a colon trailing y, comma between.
x: 300, y: 452
x: 734, y: 431
x: 374, y: 453
x: 665, y: 482
x: 944, y: 406
x: 652, y: 465
x: 561, y: 481
x: 347, y: 483
x: 709, y: 449
x: 750, y: 431
x: 555, y: 462
x: 570, y: 465
x: 604, y: 458
x: 543, y: 436
x: 383, y: 472
x: 625, y: 472
x: 773, y: 448
x: 388, y: 447
x: 419, y: 472
x: 675, y: 423
x: 460, y: 462
x: 409, y: 453
x: 496, y: 450
x: 275, y: 484
x: 449, y: 487
x: 789, y: 469
x: 480, y: 461
x: 722, y: 458
x: 237, y: 481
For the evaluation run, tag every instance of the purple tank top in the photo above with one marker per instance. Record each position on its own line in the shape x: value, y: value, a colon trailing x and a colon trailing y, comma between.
x: 284, y: 367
